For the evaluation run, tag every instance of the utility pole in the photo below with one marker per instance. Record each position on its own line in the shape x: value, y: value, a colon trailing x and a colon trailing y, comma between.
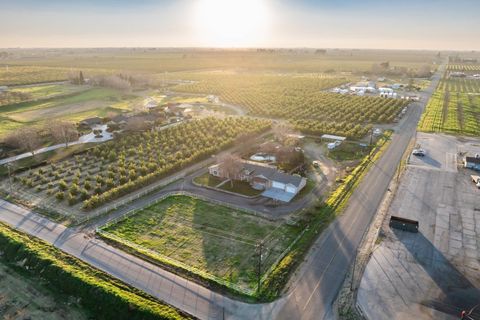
x: 259, y: 265
x: 9, y: 177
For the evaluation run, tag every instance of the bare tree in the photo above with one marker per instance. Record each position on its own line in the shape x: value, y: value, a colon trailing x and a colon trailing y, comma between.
x: 285, y: 134
x: 114, y: 82
x: 231, y: 166
x: 137, y: 123
x: 25, y: 138
x: 63, y: 131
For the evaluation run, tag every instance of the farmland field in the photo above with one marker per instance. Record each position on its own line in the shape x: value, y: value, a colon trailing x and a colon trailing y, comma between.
x: 72, y: 104
x: 34, y: 92
x: 454, y: 107
x: 299, y: 99
x: 206, y: 238
x: 118, y: 167
x: 155, y: 60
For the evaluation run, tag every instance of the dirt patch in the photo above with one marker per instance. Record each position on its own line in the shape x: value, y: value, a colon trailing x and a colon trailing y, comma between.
x: 57, y: 111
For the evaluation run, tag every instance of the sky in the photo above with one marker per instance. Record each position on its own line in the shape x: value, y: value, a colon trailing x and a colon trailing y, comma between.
x: 401, y: 24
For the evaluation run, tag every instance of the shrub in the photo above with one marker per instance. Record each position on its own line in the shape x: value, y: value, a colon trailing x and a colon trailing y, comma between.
x: 60, y: 196
x: 71, y: 199
x: 62, y: 185
x: 84, y: 194
x: 87, y: 185
x: 74, y: 189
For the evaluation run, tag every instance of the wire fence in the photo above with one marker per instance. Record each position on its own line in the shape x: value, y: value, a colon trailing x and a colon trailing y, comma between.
x: 268, y: 244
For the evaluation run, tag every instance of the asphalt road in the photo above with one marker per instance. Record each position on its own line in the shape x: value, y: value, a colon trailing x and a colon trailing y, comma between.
x: 313, y: 288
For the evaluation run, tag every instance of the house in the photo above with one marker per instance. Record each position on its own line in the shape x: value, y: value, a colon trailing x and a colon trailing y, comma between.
x: 150, y: 103
x: 90, y: 122
x: 3, y: 88
x: 212, y: 99
x: 472, y: 162
x: 276, y: 185
x: 363, y: 87
x: 119, y: 119
x: 385, y: 90
x: 457, y: 74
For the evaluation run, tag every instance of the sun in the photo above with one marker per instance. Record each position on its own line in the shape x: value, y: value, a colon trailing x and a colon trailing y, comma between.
x: 231, y: 22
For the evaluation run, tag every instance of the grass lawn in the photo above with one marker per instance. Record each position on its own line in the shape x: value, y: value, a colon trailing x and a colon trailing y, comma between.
x: 207, y: 179
x: 211, y: 238
x: 348, y: 151
x: 241, y: 187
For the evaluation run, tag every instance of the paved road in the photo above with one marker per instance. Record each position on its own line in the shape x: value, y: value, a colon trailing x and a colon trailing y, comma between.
x: 313, y: 288
x: 321, y: 275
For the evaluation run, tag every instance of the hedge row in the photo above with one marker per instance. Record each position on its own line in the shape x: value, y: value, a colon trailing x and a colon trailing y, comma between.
x: 102, y: 295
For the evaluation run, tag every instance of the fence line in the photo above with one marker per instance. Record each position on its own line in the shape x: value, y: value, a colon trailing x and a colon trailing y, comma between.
x: 163, y: 258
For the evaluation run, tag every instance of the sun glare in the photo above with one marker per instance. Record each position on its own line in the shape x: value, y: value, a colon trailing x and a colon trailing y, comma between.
x: 231, y: 22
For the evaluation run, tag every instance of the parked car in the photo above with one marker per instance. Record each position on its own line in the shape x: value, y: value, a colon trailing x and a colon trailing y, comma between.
x: 419, y: 152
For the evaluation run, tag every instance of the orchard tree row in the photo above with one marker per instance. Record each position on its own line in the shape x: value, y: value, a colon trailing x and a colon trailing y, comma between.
x: 299, y: 99
x: 132, y: 161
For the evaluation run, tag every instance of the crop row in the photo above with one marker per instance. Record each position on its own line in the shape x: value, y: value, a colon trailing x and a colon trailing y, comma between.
x: 115, y: 168
x: 454, y: 107
x: 463, y: 67
x: 299, y: 100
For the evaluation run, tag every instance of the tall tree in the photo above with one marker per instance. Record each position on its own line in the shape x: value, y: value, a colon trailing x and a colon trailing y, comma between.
x: 63, y: 131
x: 81, y: 80
x: 27, y: 139
x: 231, y: 165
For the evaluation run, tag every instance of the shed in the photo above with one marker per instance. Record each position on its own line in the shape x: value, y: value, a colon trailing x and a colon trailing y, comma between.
x: 332, y: 137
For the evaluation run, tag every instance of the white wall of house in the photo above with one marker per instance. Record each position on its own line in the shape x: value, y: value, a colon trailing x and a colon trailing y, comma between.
x: 291, y: 188
x: 278, y: 185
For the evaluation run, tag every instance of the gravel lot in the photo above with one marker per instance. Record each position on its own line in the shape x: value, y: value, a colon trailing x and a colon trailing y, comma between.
x: 435, y: 273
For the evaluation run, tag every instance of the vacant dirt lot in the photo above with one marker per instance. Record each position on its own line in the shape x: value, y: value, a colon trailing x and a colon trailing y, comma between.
x: 435, y: 273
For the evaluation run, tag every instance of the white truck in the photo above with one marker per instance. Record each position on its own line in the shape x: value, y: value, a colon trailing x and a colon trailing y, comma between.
x: 476, y: 180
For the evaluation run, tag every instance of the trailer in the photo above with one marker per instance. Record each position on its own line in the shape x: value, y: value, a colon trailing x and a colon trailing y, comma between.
x: 403, y: 224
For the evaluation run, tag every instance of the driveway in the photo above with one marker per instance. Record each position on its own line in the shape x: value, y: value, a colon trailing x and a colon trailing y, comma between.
x: 86, y: 138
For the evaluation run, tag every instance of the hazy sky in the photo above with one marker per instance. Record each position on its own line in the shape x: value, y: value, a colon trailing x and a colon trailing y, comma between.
x: 401, y: 24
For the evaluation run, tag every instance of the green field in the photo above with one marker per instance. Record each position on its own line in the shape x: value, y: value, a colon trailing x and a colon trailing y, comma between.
x: 36, y: 92
x: 206, y: 238
x: 54, y: 285
x: 454, y: 107
x: 74, y: 106
x: 348, y: 151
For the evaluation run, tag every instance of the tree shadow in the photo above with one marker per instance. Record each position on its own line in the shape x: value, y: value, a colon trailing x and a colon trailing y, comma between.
x: 458, y: 293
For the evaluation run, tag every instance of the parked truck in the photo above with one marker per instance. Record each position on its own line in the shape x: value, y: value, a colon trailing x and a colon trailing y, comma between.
x: 476, y: 180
